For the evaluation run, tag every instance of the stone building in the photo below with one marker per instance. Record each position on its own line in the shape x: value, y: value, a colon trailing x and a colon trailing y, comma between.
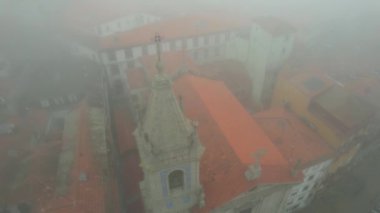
x: 170, y: 152
x: 201, y: 151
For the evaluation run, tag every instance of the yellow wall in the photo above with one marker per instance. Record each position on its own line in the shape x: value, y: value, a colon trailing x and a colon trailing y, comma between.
x: 343, y: 159
x: 299, y: 102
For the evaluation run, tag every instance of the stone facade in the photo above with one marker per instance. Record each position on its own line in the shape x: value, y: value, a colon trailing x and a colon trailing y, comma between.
x: 170, y: 152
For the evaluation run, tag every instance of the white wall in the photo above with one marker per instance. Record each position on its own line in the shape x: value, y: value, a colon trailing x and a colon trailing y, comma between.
x: 300, y: 195
x: 204, y: 52
x: 260, y: 51
x: 83, y: 51
x: 124, y: 24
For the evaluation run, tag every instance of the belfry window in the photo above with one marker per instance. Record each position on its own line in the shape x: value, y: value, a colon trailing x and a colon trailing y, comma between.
x: 176, y: 180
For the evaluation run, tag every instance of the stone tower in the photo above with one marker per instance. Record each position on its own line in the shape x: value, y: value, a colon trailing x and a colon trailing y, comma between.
x: 170, y: 152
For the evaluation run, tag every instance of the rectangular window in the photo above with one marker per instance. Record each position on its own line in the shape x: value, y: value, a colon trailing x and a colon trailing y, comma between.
x: 195, y: 42
x: 217, y: 51
x: 128, y: 53
x: 172, y: 45
x: 228, y: 36
x: 114, y: 69
x: 217, y: 39
x: 144, y: 50
x: 205, y: 53
x: 195, y: 55
x: 206, y: 40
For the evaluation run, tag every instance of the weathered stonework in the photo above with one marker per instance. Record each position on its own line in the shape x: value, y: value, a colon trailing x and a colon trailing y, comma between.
x: 168, y: 143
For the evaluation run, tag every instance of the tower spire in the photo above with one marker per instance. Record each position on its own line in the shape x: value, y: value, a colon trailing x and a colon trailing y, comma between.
x: 158, y: 39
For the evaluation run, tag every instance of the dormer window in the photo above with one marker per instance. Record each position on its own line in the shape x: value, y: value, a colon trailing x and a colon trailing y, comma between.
x: 176, y: 181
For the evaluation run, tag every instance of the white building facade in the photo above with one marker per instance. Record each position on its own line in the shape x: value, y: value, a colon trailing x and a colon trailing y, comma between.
x: 202, y: 48
x: 263, y: 53
x: 124, y: 24
x: 300, y: 195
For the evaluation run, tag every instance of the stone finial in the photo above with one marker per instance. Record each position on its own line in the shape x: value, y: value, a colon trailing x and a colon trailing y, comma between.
x: 254, y: 170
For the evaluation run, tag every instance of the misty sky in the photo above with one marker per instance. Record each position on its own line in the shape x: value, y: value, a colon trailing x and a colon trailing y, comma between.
x: 321, y: 9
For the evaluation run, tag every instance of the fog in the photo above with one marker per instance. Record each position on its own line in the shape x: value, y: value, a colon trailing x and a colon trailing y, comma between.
x: 189, y: 106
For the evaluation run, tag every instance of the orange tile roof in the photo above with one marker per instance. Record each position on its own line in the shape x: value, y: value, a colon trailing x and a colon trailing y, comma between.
x: 181, y: 27
x: 230, y: 137
x: 294, y: 139
x: 82, y: 196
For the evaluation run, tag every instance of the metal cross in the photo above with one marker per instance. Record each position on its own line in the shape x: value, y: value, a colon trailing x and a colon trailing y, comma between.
x: 158, y: 39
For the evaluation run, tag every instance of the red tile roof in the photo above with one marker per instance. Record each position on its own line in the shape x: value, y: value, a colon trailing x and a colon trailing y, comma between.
x: 82, y: 196
x: 294, y: 139
x: 181, y: 27
x: 230, y: 137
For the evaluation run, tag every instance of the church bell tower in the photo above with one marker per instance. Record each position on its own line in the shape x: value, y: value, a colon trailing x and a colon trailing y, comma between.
x: 169, y: 149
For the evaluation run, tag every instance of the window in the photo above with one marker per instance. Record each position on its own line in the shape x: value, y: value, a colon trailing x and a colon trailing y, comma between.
x: 111, y: 55
x: 114, y: 69
x: 172, y: 46
x: 217, y: 39
x: 195, y: 42
x: 129, y: 53
x: 183, y: 44
x: 228, y: 35
x: 139, y: 20
x: 217, y: 51
x: 206, y: 40
x: 206, y: 53
x: 144, y: 50
x: 176, y: 180
x: 195, y: 55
